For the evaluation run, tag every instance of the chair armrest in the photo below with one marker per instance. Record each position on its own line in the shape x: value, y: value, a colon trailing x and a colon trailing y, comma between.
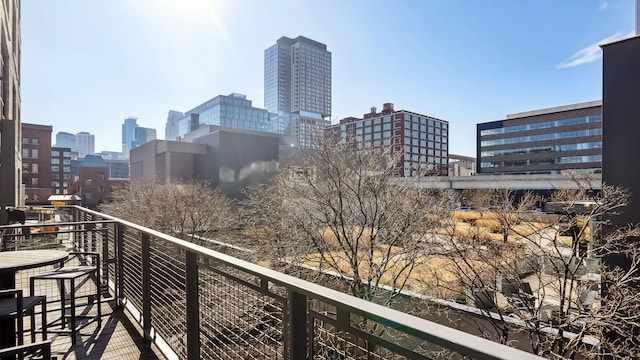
x: 44, y: 346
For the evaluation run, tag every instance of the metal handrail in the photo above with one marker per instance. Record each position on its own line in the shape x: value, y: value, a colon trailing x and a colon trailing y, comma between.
x: 132, y: 269
x: 300, y: 291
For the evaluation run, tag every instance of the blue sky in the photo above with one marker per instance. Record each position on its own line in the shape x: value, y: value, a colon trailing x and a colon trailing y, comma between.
x: 88, y: 64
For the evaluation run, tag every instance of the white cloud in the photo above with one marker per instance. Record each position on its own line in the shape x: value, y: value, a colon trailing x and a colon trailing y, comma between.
x: 591, y: 53
x: 603, y: 5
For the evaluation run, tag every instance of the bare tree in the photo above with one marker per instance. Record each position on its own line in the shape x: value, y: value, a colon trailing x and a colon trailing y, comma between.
x: 543, y: 281
x: 187, y: 209
x: 343, y: 212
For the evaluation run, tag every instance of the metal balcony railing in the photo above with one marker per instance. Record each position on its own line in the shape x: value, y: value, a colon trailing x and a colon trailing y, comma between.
x: 196, y: 303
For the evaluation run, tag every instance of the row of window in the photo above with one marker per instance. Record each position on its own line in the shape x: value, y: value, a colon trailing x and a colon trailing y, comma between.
x: 56, y: 161
x: 543, y: 125
x: 30, y: 153
x: 26, y: 140
x: 65, y: 169
x: 426, y: 159
x: 549, y: 161
x: 548, y: 148
x: 542, y: 137
x: 56, y: 153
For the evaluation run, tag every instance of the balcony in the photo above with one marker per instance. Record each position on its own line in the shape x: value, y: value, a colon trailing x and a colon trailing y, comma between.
x: 171, y: 299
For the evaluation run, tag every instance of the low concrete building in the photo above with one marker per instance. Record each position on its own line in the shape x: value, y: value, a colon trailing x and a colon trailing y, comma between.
x: 230, y: 159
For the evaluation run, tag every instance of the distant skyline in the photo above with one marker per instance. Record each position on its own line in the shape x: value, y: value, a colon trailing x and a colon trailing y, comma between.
x: 86, y: 65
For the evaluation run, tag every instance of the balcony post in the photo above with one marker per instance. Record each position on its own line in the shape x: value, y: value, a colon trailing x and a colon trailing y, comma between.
x: 193, y: 306
x: 146, y: 286
x: 119, y: 275
x: 299, y: 337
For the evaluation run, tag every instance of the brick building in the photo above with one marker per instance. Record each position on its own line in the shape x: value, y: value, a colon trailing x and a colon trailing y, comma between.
x: 422, y: 139
x: 36, y: 163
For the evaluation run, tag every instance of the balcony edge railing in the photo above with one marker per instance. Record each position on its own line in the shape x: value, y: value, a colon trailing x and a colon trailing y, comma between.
x: 301, y: 290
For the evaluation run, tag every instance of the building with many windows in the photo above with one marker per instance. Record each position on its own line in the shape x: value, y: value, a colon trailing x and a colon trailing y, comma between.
x: 297, y: 88
x: 546, y: 141
x: 60, y: 170
x: 36, y: 163
x: 231, y: 111
x: 422, y: 139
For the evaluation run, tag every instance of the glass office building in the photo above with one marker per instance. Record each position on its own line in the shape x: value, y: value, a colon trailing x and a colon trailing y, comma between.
x: 233, y: 111
x: 546, y: 141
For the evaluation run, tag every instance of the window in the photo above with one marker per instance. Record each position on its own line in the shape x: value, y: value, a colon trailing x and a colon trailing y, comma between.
x: 55, y: 176
x: 34, y: 181
x: 100, y: 176
x: 34, y: 141
x: 34, y: 153
x: 25, y: 140
x: 55, y: 161
x: 87, y: 195
x: 66, y: 161
x: 88, y: 181
x: 55, y: 184
x: 55, y: 153
x: 100, y: 188
x: 25, y: 153
x: 55, y: 169
x: 34, y: 168
x: 66, y: 169
x: 26, y: 168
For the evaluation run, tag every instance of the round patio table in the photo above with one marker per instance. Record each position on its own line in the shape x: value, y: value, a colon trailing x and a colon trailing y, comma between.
x: 10, y: 263
x: 13, y: 261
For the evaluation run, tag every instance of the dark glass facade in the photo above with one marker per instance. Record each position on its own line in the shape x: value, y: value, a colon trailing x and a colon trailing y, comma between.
x: 547, y: 141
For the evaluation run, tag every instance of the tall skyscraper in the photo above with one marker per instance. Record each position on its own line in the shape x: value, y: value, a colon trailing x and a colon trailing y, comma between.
x: 128, y: 134
x: 297, y: 87
x: 134, y: 135
x: 171, y: 128
x: 85, y: 143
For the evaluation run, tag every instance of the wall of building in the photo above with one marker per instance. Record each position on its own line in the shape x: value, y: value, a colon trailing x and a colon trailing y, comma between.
x: 36, y: 163
x: 238, y: 158
x: 11, y: 191
x: 621, y: 111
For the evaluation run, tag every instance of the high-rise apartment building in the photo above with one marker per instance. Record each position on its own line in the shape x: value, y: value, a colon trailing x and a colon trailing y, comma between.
x: 231, y: 111
x: 11, y: 191
x: 545, y: 141
x: 423, y: 140
x: 297, y: 87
